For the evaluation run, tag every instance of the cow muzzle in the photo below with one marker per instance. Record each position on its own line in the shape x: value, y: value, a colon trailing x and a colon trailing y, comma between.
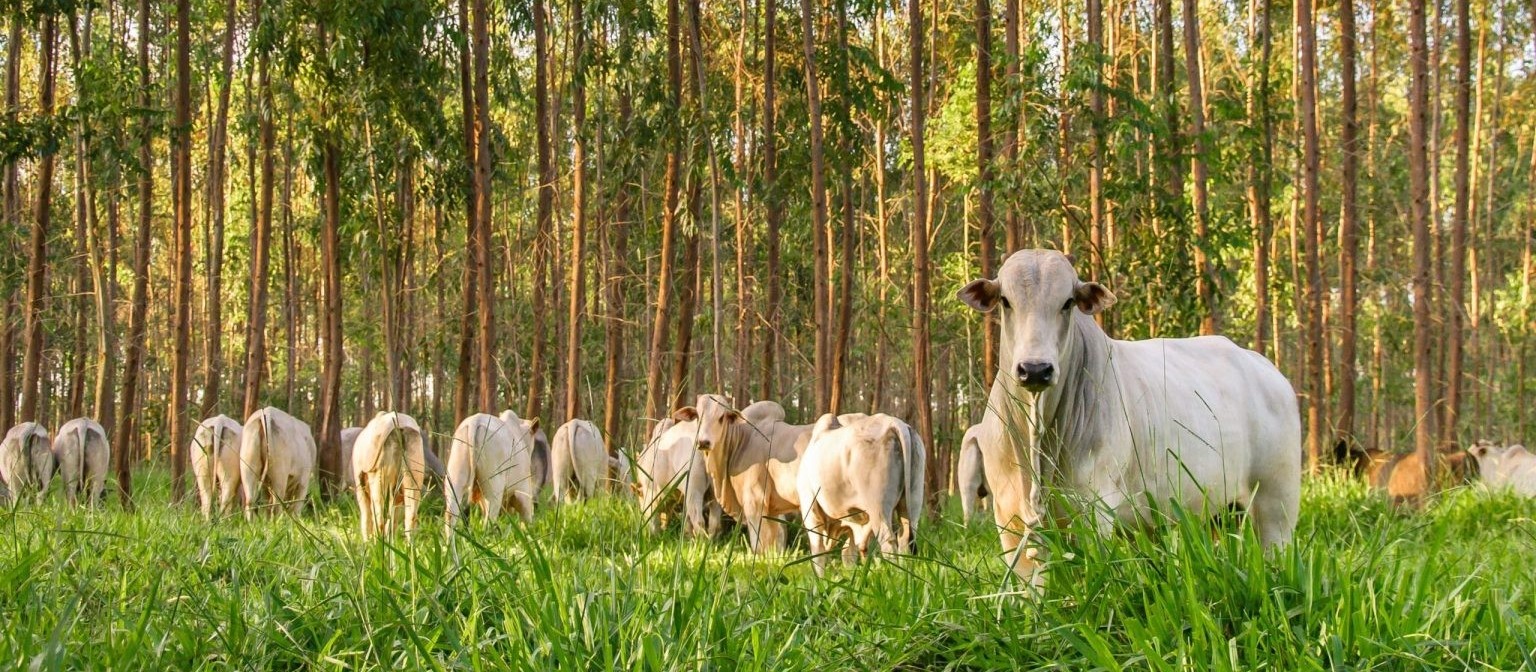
x: 1035, y: 376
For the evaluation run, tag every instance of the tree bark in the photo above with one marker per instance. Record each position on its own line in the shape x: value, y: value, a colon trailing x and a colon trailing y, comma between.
x: 743, y: 228
x: 484, y: 285
x: 1205, y: 277
x: 132, y: 365
x: 467, y: 320
x: 655, y: 393
x: 1348, y: 223
x: 848, y: 133
x: 918, y: 233
x: 181, y: 193
x: 819, y: 230
x: 984, y: 177
x: 218, y: 144
x: 12, y: 212
x: 261, y: 236
x: 37, y: 263
x: 546, y: 201
x: 1014, y: 237
x: 1260, y: 170
x: 1312, y: 223
x: 1418, y: 181
x: 771, y: 198
x: 331, y: 353
x: 1456, y: 306
x: 578, y: 217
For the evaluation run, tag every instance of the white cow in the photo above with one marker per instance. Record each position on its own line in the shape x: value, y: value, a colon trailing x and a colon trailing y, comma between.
x: 26, y: 461
x: 1120, y: 428
x: 1510, y: 467
x: 83, y: 454
x: 277, y: 457
x: 490, y: 463
x: 389, y: 465
x: 862, y: 480
x: 671, y: 465
x: 216, y: 463
x: 971, y: 473
x: 348, y: 442
x: 577, y: 458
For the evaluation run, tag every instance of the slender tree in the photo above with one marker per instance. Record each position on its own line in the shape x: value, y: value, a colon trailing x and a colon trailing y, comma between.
x: 772, y: 203
x: 1205, y: 278
x: 485, y: 335
x: 330, y: 242
x: 655, y: 393
x: 1418, y: 183
x: 1312, y: 221
x: 921, y: 395
x: 1348, y: 223
x: 37, y: 263
x: 1259, y: 168
x: 578, y: 215
x: 181, y: 198
x: 819, y: 230
x: 261, y: 235
x: 218, y: 145
x: 985, y: 177
x: 1456, y: 307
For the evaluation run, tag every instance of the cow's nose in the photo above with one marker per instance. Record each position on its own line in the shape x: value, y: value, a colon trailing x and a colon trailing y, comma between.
x: 1035, y: 376
x: 703, y: 444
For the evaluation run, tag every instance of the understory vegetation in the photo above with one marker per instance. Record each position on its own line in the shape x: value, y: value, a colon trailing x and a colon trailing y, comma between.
x: 1365, y: 586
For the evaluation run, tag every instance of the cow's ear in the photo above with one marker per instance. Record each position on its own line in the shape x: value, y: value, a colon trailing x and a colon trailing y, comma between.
x: 1479, y: 450
x: 533, y: 426
x: 828, y: 422
x: 981, y: 294
x: 685, y: 414
x: 1093, y: 297
x: 732, y: 416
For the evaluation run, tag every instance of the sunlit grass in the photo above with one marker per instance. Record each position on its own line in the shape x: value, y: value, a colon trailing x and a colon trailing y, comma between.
x: 1366, y: 586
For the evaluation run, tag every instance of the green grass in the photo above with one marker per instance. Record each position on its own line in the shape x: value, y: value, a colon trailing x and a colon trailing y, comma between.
x: 1364, y: 587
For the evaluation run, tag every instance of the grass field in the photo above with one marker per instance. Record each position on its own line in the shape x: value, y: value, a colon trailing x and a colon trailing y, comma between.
x: 1364, y: 587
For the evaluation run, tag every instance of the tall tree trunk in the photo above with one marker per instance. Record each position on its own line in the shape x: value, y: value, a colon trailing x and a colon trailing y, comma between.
x: 848, y: 140
x: 614, y: 289
x: 1014, y: 237
x: 218, y: 144
x: 133, y: 362
x: 181, y: 197
x: 291, y: 307
x: 984, y: 175
x: 819, y: 230
x: 921, y: 396
x: 578, y: 217
x: 743, y: 343
x: 701, y: 97
x: 484, y: 285
x: 1205, y: 278
x: 1173, y: 180
x: 655, y: 393
x: 546, y: 204
x: 1456, y: 305
x: 261, y: 236
x: 12, y: 204
x: 771, y: 197
x: 1348, y: 224
x: 37, y: 263
x: 103, y: 281
x: 466, y: 381
x: 1260, y: 167
x: 1312, y: 223
x: 1418, y: 182
x: 1096, y: 209
x: 331, y: 353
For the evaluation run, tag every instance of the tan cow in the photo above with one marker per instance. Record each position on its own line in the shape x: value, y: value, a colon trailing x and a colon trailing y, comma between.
x: 863, y: 481
x: 1510, y: 467
x: 84, y: 455
x: 671, y: 469
x: 277, y: 458
x: 490, y: 463
x: 390, y: 467
x: 26, y: 461
x: 971, y: 474
x: 578, y: 460
x: 216, y: 463
x: 752, y: 457
x: 1115, y: 430
x: 1401, y: 475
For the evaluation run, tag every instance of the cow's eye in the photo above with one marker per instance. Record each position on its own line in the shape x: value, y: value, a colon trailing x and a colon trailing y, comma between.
x: 1068, y: 305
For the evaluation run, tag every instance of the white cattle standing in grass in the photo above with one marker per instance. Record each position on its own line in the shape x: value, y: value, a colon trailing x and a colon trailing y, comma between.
x: 216, y: 463
x: 863, y: 481
x: 26, y: 461
x: 671, y: 465
x: 389, y: 465
x: 971, y: 473
x: 490, y: 464
x: 83, y: 455
x: 577, y: 458
x: 277, y: 458
x: 1510, y: 467
x: 1123, y: 427
x: 752, y: 457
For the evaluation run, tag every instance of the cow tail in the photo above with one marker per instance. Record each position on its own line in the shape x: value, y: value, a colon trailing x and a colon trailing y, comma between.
x: 266, y: 451
x: 904, y: 503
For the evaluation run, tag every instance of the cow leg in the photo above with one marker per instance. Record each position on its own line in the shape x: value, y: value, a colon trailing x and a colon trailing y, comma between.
x: 412, y: 504
x: 967, y: 505
x: 1274, y: 509
x: 205, y: 492
x: 364, y: 507
x: 523, y: 502
x: 817, y: 537
x: 378, y: 502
